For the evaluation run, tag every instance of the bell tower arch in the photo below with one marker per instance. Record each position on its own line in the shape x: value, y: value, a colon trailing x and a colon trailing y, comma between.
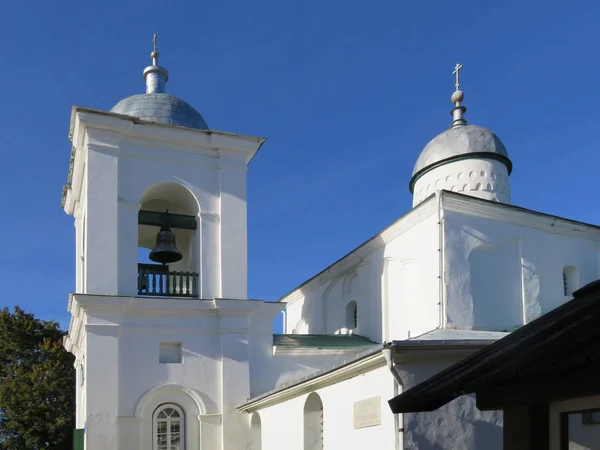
x: 168, y: 228
x: 127, y: 177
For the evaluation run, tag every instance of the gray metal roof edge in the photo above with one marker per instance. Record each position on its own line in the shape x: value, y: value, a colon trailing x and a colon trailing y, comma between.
x: 312, y: 341
x: 420, y: 343
x: 360, y: 356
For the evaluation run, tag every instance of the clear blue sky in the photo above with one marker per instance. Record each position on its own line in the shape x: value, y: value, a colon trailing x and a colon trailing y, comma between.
x: 347, y: 93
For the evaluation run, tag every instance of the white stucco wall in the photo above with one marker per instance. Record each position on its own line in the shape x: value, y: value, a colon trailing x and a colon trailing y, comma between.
x: 500, y: 274
x: 283, y: 423
x: 119, y: 339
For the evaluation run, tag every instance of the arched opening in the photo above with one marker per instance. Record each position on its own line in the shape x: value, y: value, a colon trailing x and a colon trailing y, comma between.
x: 570, y: 280
x: 168, y: 427
x: 256, y: 432
x: 313, y: 422
x: 351, y: 316
x: 173, y: 207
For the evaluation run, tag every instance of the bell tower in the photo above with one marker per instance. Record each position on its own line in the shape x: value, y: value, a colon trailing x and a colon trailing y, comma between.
x: 152, y: 162
x: 160, y: 314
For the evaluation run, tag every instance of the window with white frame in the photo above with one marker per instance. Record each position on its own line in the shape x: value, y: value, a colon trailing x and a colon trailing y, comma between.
x: 168, y: 425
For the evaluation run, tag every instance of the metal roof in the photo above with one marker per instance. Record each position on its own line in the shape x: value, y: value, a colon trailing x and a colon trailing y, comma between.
x: 161, y: 108
x: 449, y: 334
x: 322, y: 341
x: 460, y: 142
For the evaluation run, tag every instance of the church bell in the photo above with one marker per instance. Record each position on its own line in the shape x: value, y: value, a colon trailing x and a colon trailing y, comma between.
x: 165, y: 251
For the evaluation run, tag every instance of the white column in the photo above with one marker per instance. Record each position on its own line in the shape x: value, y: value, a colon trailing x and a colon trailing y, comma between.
x: 234, y: 246
x: 235, y: 381
x: 196, y: 254
x: 127, y: 248
x: 102, y: 222
x: 210, y: 254
x: 78, y: 250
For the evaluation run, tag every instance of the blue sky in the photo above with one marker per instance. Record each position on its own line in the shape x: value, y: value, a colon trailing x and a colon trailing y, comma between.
x: 347, y: 93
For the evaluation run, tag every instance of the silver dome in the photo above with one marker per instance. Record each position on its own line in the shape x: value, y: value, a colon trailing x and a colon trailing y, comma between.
x: 460, y: 142
x: 161, y: 108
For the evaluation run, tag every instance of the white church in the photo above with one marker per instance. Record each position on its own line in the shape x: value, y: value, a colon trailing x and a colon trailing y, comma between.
x: 171, y: 354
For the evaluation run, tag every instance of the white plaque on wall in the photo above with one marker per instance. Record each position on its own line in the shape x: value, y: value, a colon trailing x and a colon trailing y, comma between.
x: 367, y: 413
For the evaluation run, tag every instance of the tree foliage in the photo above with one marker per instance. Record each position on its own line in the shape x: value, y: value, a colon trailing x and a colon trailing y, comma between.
x: 36, y: 384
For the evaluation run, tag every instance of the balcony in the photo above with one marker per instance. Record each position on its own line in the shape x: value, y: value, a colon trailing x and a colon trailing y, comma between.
x: 157, y: 280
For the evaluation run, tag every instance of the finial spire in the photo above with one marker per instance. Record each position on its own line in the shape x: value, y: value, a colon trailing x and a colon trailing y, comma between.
x: 156, y: 76
x: 154, y: 54
x: 456, y: 70
x: 457, y: 97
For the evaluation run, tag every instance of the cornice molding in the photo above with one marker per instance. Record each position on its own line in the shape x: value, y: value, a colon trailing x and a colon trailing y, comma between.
x: 107, y: 313
x: 119, y: 135
x: 485, y: 209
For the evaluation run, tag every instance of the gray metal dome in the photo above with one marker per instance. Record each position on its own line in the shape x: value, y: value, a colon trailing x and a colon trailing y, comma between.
x: 161, y: 108
x: 460, y: 142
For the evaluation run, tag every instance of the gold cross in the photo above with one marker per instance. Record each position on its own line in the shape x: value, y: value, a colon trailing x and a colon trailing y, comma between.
x: 456, y: 72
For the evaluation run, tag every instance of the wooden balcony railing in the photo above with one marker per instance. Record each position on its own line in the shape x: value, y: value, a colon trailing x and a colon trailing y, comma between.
x: 157, y: 280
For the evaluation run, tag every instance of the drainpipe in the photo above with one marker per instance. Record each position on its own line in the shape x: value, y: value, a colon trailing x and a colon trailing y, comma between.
x: 284, y: 313
x: 386, y: 300
x: 388, y: 353
x: 441, y: 261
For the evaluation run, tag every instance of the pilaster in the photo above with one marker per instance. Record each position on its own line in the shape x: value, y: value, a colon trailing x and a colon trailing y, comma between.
x: 211, y: 256
x: 102, y: 221
x: 127, y: 239
x: 102, y: 387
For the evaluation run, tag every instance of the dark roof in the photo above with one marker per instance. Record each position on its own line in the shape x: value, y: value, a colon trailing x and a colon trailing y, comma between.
x: 324, y: 341
x: 559, y: 342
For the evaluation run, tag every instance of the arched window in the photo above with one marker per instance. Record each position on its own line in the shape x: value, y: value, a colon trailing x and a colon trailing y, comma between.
x: 256, y: 431
x: 313, y: 422
x: 351, y: 315
x: 570, y: 280
x: 168, y: 425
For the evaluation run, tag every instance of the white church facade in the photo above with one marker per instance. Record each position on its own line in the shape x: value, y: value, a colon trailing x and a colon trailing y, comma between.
x: 173, y: 355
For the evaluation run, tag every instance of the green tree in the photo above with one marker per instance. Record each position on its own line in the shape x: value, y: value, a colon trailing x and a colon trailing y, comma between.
x: 36, y: 384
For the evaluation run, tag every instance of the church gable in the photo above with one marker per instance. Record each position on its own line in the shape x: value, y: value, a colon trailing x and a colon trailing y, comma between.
x: 505, y: 266
x: 373, y: 290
